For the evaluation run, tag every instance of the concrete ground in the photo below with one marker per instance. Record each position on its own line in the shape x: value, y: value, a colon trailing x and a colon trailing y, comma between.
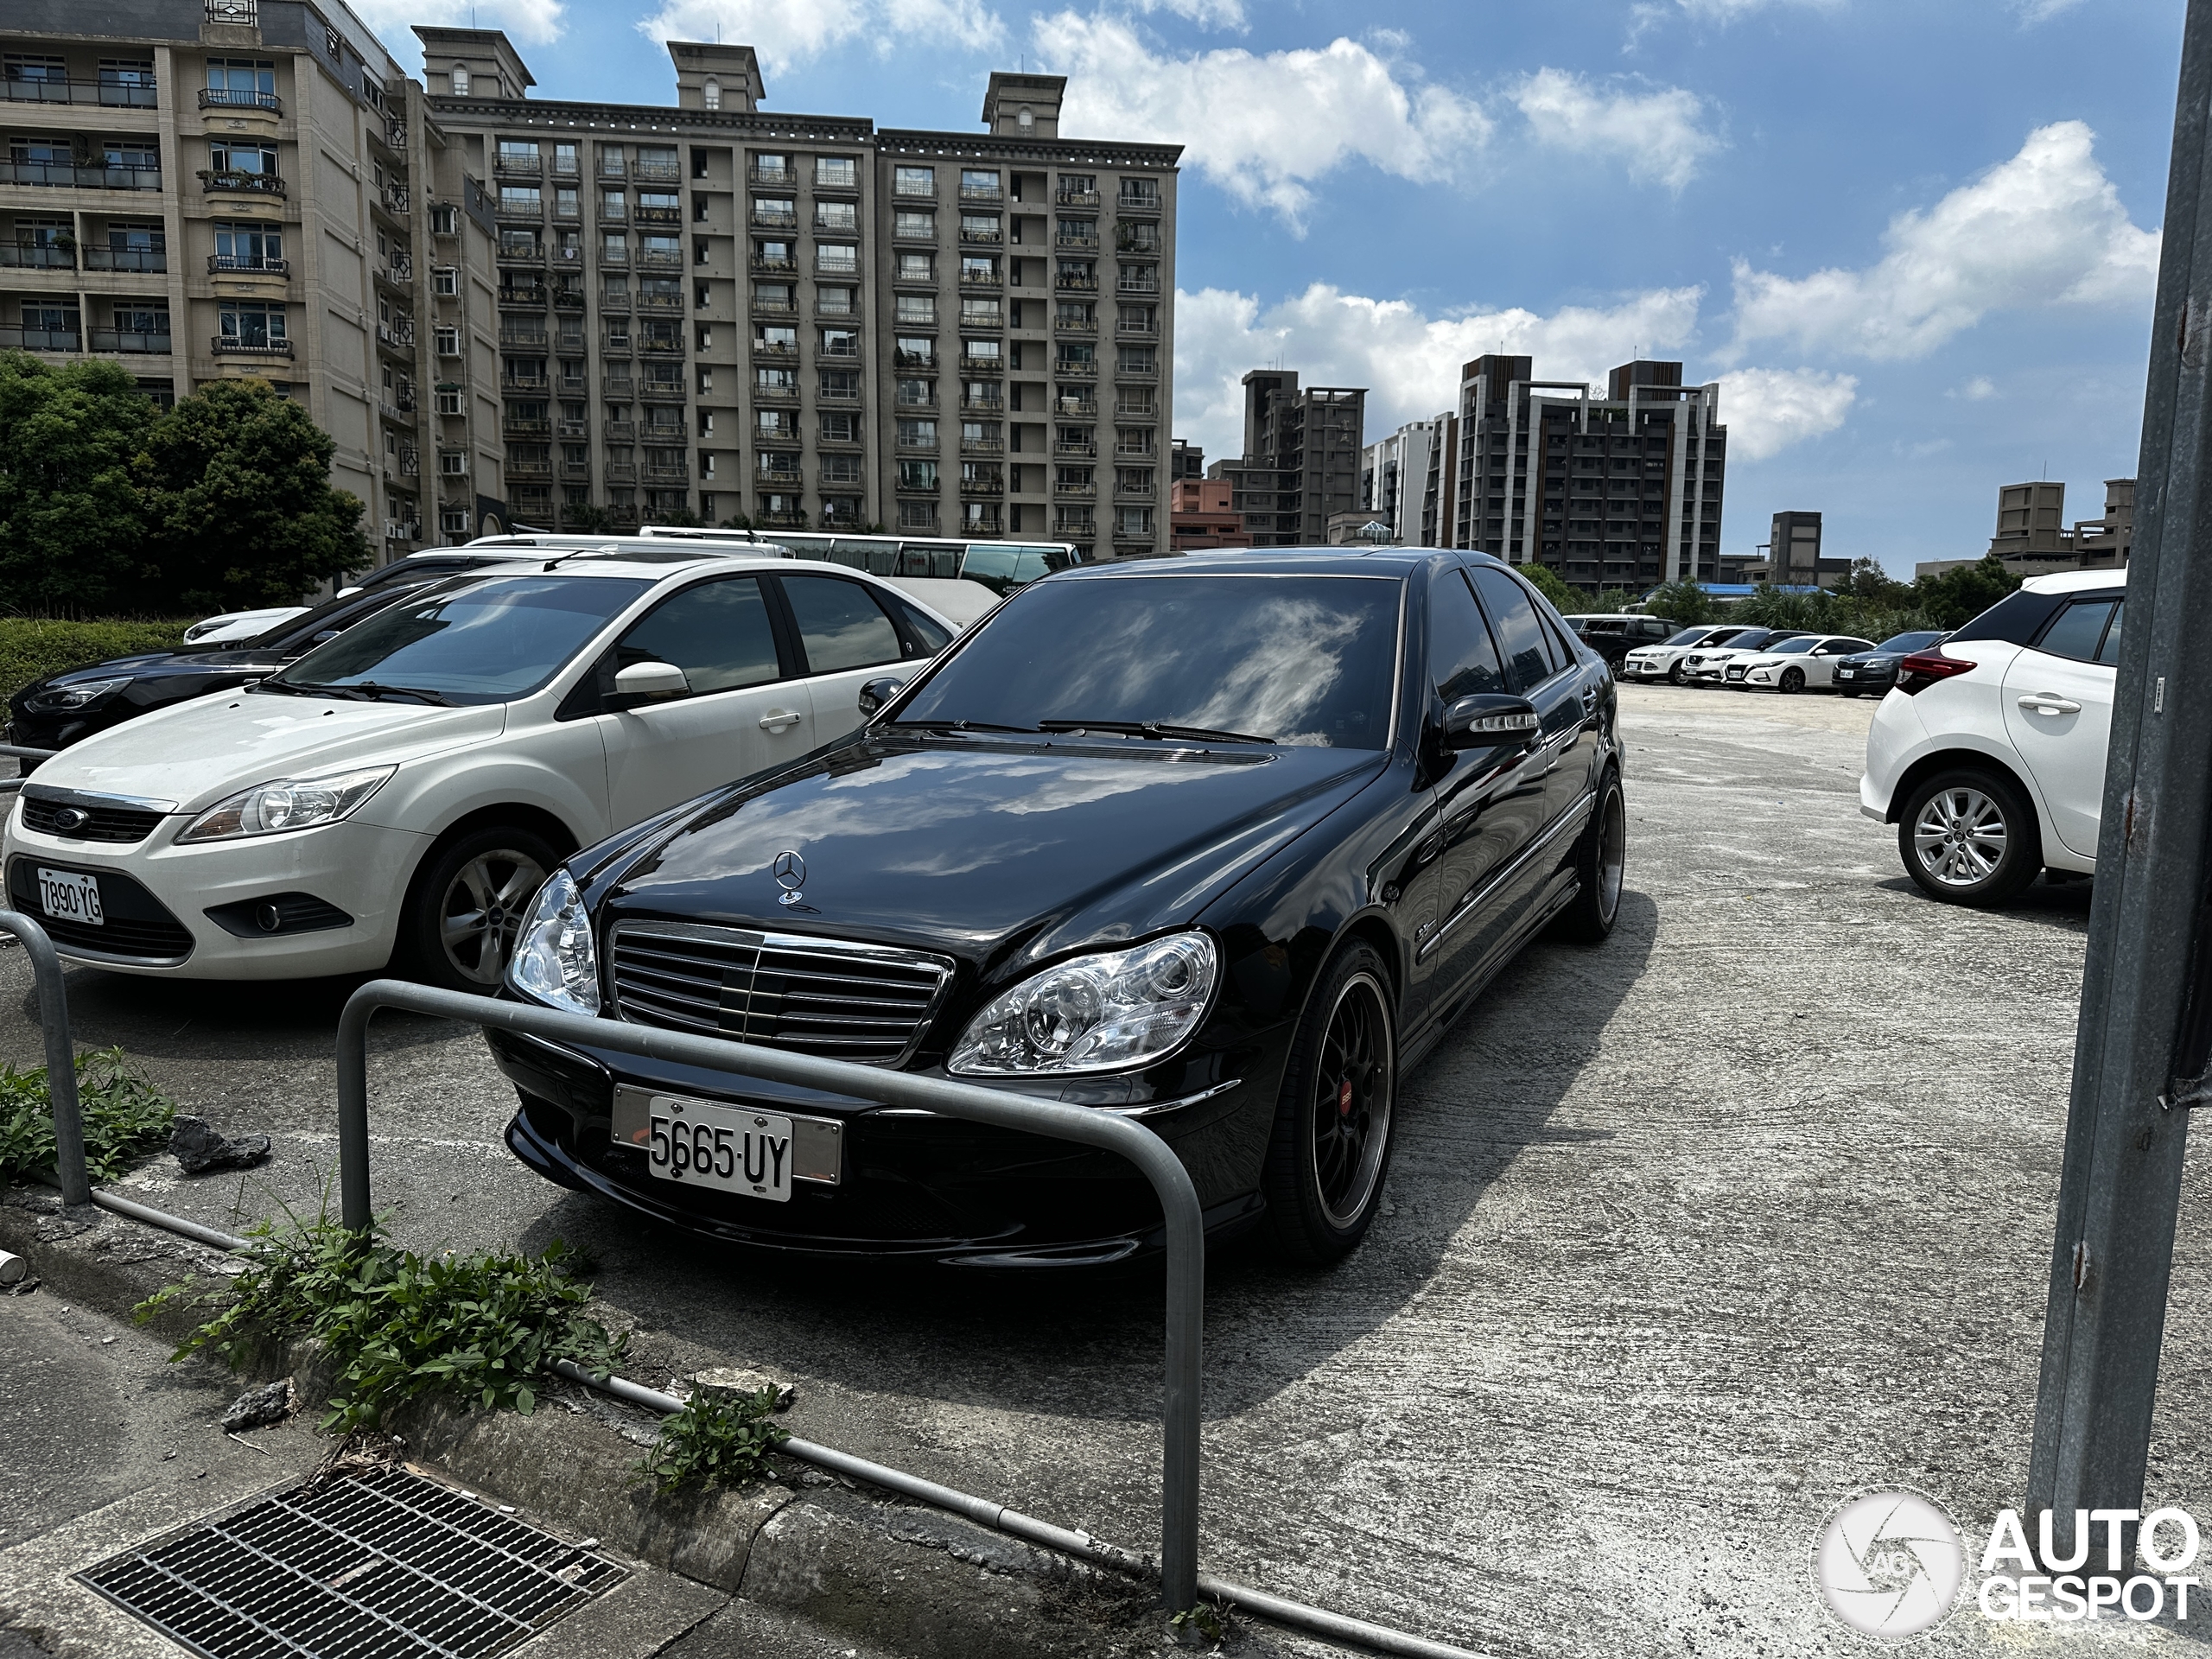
x: 1688, y: 1236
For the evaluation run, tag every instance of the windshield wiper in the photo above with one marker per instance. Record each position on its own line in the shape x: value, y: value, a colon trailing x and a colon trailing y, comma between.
x: 1151, y: 728
x: 370, y: 691
x: 961, y: 726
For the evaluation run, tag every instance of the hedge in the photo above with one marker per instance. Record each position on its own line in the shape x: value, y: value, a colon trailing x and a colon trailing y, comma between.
x: 30, y: 650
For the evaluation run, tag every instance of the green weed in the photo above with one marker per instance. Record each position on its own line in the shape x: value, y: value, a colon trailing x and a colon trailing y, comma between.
x: 718, y: 1439
x: 125, y: 1117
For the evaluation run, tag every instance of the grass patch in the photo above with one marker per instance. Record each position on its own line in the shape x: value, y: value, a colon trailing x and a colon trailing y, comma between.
x: 125, y: 1117
x: 719, y: 1438
x: 483, y: 1329
x: 32, y: 649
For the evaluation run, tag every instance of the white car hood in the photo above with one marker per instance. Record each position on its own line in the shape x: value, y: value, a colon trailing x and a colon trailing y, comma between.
x: 195, y: 753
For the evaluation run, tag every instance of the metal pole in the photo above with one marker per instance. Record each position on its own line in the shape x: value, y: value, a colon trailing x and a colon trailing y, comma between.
x: 60, y: 1057
x: 2141, y: 1052
x: 1178, y: 1198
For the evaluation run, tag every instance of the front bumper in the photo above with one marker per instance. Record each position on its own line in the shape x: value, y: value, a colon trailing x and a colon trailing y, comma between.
x: 913, y: 1185
x: 359, y: 869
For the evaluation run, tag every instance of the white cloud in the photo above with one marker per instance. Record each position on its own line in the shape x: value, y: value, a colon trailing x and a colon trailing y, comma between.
x: 2042, y: 11
x: 1981, y: 386
x: 1263, y: 126
x: 1408, y: 361
x: 1766, y: 410
x: 2044, y: 228
x: 1727, y: 11
x: 1211, y: 13
x: 1655, y: 133
x: 536, y: 22
x: 787, y: 32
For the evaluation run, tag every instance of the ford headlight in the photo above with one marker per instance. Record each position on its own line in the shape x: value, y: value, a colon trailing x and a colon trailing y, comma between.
x: 288, y: 804
x: 80, y: 694
x: 1100, y: 1013
x: 554, y: 961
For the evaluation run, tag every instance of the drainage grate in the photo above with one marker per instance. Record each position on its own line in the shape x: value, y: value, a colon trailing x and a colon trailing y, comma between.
x: 389, y: 1565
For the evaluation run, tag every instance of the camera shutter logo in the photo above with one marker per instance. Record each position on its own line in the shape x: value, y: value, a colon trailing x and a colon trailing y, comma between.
x: 790, y: 871
x: 1889, y: 1563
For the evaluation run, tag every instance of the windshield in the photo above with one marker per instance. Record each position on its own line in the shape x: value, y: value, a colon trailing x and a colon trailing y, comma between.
x: 294, y: 634
x: 1308, y: 660
x: 486, y: 639
x: 1793, y: 647
x: 1906, y: 642
x: 1689, y: 636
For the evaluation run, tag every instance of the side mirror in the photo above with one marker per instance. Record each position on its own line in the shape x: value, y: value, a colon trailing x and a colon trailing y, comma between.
x: 647, y: 683
x: 1490, y: 720
x: 877, y: 692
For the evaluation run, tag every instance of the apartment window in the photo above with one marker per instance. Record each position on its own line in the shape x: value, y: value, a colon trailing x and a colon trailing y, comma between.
x: 978, y: 184
x: 1133, y: 521
x: 564, y: 159
x: 915, y: 394
x: 1078, y: 185
x: 1141, y: 194
x: 521, y: 201
x: 980, y: 351
x: 980, y: 314
x: 836, y: 258
x: 918, y: 435
x: 840, y: 428
x: 447, y: 338
x: 773, y: 338
x: 978, y: 268
x: 614, y: 249
x: 445, y: 221
x: 917, y: 267
x: 977, y: 227
x: 841, y: 469
x: 840, y: 342
x: 771, y: 169
x: 836, y: 173
x: 250, y: 81
x: 1078, y: 232
x: 914, y: 225
x: 460, y: 81
x: 776, y: 424
x: 777, y: 464
x: 919, y: 351
x: 613, y: 203
x: 918, y: 515
x: 251, y: 323
x: 658, y: 162
x: 451, y: 463
x: 448, y: 401
x: 918, y: 476
x: 246, y: 246
x: 711, y: 94
x: 834, y: 302
x: 611, y: 162
x: 914, y: 182
x: 226, y: 155
x: 661, y: 206
x: 843, y: 384
x: 780, y: 383
x: 566, y: 203
x: 1137, y: 360
x: 842, y: 216
x: 915, y: 308
x: 519, y: 154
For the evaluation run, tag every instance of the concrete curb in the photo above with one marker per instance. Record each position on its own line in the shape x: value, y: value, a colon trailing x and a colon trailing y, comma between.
x: 867, y: 1567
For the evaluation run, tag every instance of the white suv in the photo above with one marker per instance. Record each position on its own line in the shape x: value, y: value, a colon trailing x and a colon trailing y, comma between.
x: 1989, y: 756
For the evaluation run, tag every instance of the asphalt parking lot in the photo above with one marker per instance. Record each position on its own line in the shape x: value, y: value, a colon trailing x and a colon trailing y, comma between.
x: 1687, y: 1237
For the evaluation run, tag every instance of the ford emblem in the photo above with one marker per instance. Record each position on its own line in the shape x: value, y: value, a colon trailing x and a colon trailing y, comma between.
x: 71, y: 817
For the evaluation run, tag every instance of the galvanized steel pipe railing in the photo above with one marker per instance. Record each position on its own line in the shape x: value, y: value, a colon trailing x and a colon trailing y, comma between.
x: 60, y: 1057
x: 1178, y: 1198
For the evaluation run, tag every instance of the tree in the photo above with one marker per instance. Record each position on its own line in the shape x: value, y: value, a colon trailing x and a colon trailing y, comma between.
x: 70, y: 524
x: 584, y: 517
x: 1683, y: 603
x: 1958, y: 595
x: 239, y: 507
x: 1547, y: 582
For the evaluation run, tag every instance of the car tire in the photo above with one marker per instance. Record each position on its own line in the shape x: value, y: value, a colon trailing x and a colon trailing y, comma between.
x: 470, y: 897
x: 1601, y: 864
x: 1331, y: 1149
x: 1969, y: 836
x: 1847, y: 694
x: 1792, y: 680
x: 1674, y: 675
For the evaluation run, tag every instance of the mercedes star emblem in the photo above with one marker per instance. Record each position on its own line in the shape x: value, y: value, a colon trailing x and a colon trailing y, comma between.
x: 790, y: 871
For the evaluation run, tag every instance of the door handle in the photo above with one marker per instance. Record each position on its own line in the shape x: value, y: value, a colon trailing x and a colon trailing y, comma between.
x: 2049, y: 702
x: 1589, y: 699
x: 776, y: 720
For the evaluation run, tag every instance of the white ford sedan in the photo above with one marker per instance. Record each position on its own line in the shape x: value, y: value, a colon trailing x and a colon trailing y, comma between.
x: 398, y: 795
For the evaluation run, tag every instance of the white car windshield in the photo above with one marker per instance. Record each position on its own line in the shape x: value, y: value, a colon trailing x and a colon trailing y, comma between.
x: 1791, y: 648
x: 482, y: 639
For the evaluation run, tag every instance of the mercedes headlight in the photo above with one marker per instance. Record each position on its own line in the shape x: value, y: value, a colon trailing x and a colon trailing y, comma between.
x: 288, y: 804
x: 1101, y: 1013
x: 80, y: 694
x: 554, y: 961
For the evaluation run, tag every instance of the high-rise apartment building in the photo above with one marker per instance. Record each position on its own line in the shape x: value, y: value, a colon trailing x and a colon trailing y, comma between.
x: 1394, y: 477
x: 2033, y: 537
x: 714, y: 309
x: 202, y: 189
x: 1623, y: 490
x: 1793, y: 550
x: 1301, y: 458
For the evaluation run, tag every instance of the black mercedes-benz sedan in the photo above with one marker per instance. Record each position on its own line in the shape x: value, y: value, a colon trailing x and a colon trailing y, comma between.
x: 1223, y: 844
x: 1873, y: 673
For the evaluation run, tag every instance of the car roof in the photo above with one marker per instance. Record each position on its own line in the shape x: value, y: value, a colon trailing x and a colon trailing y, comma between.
x: 1282, y: 561
x: 2069, y: 582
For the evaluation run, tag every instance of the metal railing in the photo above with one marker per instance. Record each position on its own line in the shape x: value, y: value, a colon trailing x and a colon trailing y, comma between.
x: 1184, y: 1223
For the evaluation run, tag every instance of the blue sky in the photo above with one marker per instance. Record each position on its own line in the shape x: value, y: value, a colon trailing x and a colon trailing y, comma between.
x: 1914, y: 242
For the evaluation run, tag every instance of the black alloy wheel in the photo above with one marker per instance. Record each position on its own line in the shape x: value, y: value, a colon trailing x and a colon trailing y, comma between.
x: 468, y: 904
x: 1333, y: 1121
x: 1600, y: 866
x: 1793, y: 679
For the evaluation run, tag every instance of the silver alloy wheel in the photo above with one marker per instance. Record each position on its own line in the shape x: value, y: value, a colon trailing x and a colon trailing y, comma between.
x: 1355, y: 1086
x: 482, y: 910
x: 1959, y: 836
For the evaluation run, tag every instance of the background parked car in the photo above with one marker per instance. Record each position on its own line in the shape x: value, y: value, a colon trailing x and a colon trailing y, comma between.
x: 239, y: 624
x: 1876, y: 671
x: 1807, y: 662
x: 1665, y: 660
x: 1613, y: 635
x: 1992, y: 764
x: 1708, y: 664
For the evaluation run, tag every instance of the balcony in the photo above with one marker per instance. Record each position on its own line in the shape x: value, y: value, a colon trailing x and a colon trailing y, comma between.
x: 1135, y: 452
x: 1076, y: 198
x: 1076, y: 284
x: 518, y: 167
x: 615, y: 344
x: 1127, y: 372
x: 775, y: 348
x: 398, y: 336
x: 393, y: 132
x: 989, y: 402
x: 775, y: 307
x: 1132, y: 239
x: 524, y: 471
x: 1137, y: 201
x: 525, y: 382
x: 614, y: 213
x: 96, y: 178
x: 230, y: 345
x: 398, y: 271
x: 839, y: 394
x: 782, y: 520
x: 990, y: 192
x: 658, y: 216
x: 1134, y: 492
x: 781, y: 178
x: 395, y: 200
x: 225, y: 183
x: 989, y: 484
x: 1146, y: 415
x: 1069, y: 368
x: 1137, y: 286
x: 42, y: 339
x: 672, y: 391
x: 127, y: 340
x: 621, y: 431
x: 767, y: 218
x: 1064, y: 239
x: 572, y: 428
x: 218, y: 265
x: 514, y: 428
x: 1062, y: 486
x: 977, y: 235
x: 575, y: 472
x: 660, y: 301
x: 660, y: 258
x: 981, y: 278
x: 910, y: 191
x: 116, y: 94
x: 1136, y: 331
x: 1076, y: 409
x: 981, y: 447
x: 615, y: 305
x: 622, y: 471
x: 658, y: 172
x: 661, y: 346
x: 568, y: 299
x: 39, y: 258
x: 1074, y: 451
x: 1074, y: 326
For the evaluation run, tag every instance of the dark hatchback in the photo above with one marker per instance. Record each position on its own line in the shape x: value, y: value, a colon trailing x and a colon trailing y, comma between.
x: 1223, y: 845
x: 66, y: 708
x: 1873, y: 673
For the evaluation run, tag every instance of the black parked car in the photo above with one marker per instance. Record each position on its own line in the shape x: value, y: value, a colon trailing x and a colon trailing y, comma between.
x: 1876, y: 671
x: 61, y: 709
x: 1613, y: 635
x: 1225, y: 845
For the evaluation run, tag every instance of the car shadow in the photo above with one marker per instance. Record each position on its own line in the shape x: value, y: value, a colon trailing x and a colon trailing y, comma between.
x: 1087, y: 1343
x: 278, y: 1019
x: 2062, y: 905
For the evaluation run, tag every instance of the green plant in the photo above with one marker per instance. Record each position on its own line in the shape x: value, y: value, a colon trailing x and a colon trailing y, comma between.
x: 1548, y: 582
x: 1683, y: 603
x: 1207, y: 1619
x: 484, y: 1328
x: 125, y: 1117
x: 720, y: 1438
x: 31, y: 651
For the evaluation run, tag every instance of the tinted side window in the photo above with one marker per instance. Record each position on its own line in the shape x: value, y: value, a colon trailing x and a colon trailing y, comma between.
x: 718, y: 634
x: 1520, y: 635
x: 1462, y: 657
x: 2076, y: 630
x: 2016, y: 617
x: 932, y: 637
x: 2109, y: 652
x: 840, y: 624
